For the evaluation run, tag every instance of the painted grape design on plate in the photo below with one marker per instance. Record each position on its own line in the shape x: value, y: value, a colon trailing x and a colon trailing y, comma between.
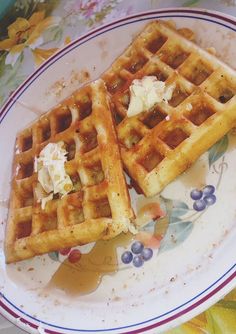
x: 73, y: 255
x: 127, y: 257
x: 137, y: 247
x: 178, y: 220
x: 138, y: 254
x: 203, y: 198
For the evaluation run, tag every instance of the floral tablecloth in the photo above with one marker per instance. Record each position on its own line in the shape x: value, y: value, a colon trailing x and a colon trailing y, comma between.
x: 32, y: 30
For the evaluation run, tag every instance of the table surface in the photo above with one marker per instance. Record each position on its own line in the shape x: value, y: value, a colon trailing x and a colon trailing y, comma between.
x: 64, y: 21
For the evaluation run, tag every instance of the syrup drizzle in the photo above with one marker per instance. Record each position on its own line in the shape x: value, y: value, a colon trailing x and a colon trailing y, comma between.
x: 195, y: 176
x: 85, y: 276
x: 34, y: 110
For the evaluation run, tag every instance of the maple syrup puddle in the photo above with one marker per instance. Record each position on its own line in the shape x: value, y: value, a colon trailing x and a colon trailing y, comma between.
x: 195, y: 176
x: 34, y: 110
x: 85, y: 276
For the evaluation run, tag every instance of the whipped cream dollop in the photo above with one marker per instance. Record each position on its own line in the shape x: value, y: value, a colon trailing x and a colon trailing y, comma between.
x: 146, y: 92
x: 52, y: 176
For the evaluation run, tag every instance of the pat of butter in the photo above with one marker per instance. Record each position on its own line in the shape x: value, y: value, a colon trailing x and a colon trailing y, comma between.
x: 145, y: 93
x: 52, y: 176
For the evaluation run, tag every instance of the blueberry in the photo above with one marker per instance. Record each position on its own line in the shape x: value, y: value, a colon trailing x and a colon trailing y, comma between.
x: 196, y: 194
x: 127, y: 257
x: 147, y: 253
x: 199, y: 205
x: 138, y: 261
x: 208, y: 190
x: 137, y: 247
x: 210, y: 199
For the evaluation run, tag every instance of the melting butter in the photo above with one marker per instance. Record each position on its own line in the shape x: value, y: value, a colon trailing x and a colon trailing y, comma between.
x: 146, y: 92
x: 52, y: 176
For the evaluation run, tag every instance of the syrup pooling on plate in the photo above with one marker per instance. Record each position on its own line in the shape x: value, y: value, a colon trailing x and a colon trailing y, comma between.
x: 86, y: 275
x: 30, y: 108
x: 196, y: 175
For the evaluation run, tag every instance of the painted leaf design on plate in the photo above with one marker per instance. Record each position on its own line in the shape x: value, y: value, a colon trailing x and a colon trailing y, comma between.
x: 161, y: 227
x: 178, y: 230
x: 149, y: 227
x: 218, y: 150
x: 179, y: 208
x: 54, y: 256
x: 174, y: 207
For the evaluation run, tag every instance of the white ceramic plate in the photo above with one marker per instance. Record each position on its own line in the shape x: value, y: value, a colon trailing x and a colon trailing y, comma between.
x: 195, y: 266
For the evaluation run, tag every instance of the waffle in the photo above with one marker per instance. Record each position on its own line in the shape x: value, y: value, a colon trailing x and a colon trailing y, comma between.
x: 158, y: 145
x: 97, y: 208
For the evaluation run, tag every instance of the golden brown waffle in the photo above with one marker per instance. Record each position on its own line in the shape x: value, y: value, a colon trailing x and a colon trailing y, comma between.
x: 99, y: 207
x: 160, y: 144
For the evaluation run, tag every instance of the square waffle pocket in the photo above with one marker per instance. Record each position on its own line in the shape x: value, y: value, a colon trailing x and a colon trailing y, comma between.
x: 99, y: 205
x: 159, y: 144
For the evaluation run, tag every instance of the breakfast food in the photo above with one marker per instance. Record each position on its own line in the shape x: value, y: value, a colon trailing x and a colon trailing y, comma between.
x: 170, y: 100
x: 68, y: 185
x: 165, y: 138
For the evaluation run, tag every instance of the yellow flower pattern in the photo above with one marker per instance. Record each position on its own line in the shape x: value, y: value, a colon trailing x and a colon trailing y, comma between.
x: 27, y: 33
x: 40, y: 54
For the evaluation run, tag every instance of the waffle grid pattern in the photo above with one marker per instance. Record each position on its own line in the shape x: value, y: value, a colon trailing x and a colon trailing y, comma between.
x: 99, y: 202
x: 158, y: 145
